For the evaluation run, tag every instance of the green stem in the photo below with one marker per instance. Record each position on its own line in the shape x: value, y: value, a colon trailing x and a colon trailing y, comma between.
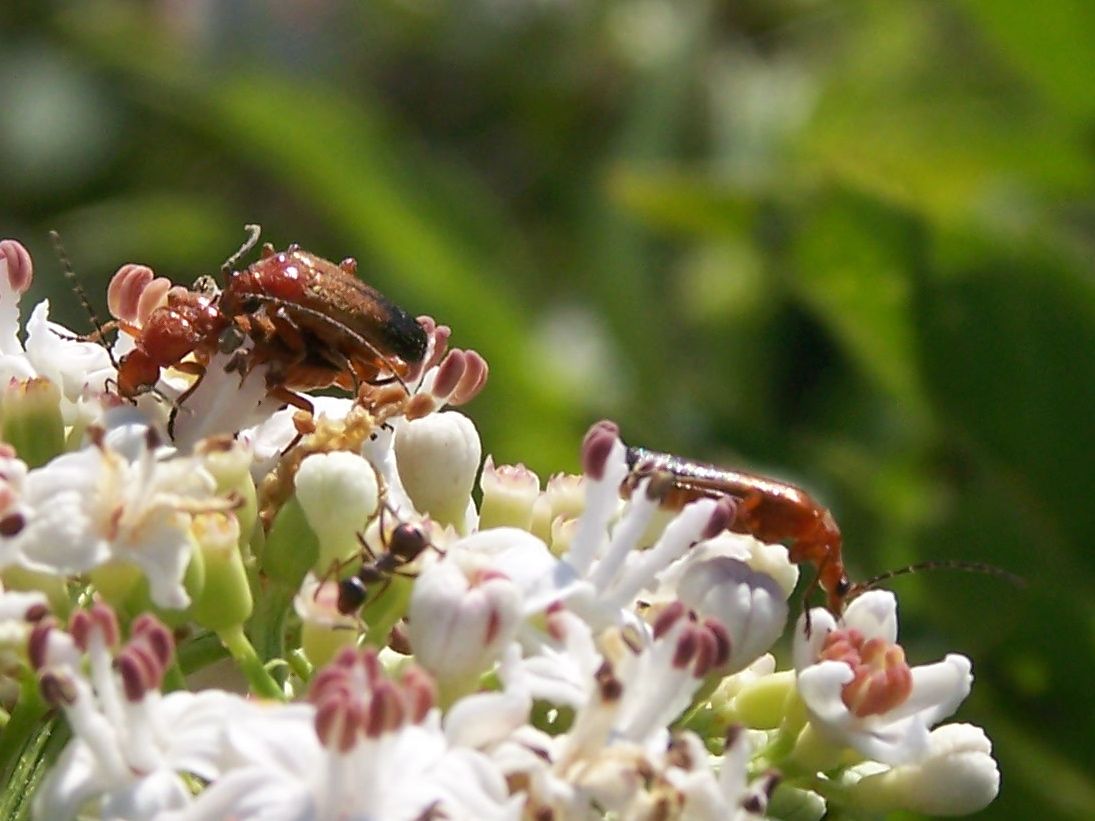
x: 300, y: 665
x: 199, y: 652
x: 35, y: 751
x: 28, y: 712
x: 267, y: 625
x: 794, y: 720
x: 258, y: 677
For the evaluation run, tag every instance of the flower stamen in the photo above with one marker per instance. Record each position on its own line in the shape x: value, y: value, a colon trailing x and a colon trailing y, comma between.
x: 882, y: 679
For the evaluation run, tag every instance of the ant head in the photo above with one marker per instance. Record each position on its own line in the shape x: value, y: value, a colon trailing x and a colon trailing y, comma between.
x: 407, y: 541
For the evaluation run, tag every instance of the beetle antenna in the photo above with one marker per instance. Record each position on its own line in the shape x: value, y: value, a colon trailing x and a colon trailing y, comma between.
x: 81, y: 294
x: 253, y: 232
x: 939, y: 564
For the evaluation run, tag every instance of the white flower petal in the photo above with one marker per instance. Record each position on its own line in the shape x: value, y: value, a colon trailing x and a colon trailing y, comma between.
x: 874, y: 614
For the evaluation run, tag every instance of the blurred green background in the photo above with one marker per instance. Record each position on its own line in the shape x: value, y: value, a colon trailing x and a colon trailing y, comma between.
x: 849, y: 244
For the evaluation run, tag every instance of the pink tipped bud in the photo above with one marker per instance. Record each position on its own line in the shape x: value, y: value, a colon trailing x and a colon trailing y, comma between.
x: 370, y: 662
x: 669, y: 616
x: 347, y: 657
x: 686, y: 649
x: 714, y: 647
x: 124, y: 291
x: 153, y: 297
x: 721, y: 518
x: 475, y: 377
x: 336, y: 723
x: 439, y: 338
x: 135, y: 673
x: 79, y: 627
x: 596, y: 448
x: 449, y: 374
x: 152, y: 633
x: 19, y: 264
x: 460, y: 622
x: 419, y: 693
x: 38, y: 642
x: 105, y: 621
x: 721, y: 636
x: 385, y: 711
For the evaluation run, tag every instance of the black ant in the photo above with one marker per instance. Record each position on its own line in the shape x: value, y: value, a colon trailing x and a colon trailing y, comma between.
x: 403, y: 545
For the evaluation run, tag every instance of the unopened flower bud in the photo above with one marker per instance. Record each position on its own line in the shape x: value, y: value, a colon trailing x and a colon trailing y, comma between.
x: 228, y: 461
x: 460, y: 622
x: 959, y: 776
x: 749, y: 604
x: 509, y: 493
x: 16, y: 265
x: 31, y: 420
x: 599, y: 442
x: 563, y: 498
x: 438, y: 457
x: 225, y: 599
x: 338, y: 493
x: 135, y: 292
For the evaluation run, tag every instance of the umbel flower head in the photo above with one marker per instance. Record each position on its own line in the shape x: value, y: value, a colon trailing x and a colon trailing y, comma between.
x: 248, y: 601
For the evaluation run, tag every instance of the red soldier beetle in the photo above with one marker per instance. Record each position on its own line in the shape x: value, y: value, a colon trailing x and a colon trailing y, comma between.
x: 775, y: 511
x: 312, y: 321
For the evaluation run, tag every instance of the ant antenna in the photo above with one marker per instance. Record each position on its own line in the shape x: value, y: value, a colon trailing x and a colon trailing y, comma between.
x: 939, y: 564
x: 253, y: 231
x: 81, y: 294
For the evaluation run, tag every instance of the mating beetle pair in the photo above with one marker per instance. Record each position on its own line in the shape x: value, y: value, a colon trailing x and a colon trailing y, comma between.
x: 312, y: 321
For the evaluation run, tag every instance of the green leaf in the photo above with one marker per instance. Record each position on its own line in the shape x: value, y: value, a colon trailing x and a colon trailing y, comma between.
x: 1050, y: 43
x: 853, y: 260
x: 1007, y: 340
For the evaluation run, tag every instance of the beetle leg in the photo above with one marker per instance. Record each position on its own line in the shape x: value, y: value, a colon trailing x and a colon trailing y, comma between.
x: 287, y: 331
x: 283, y: 394
x: 178, y: 403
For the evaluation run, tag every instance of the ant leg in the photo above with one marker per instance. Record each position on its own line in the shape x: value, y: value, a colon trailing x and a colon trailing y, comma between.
x: 332, y: 572
x: 366, y: 550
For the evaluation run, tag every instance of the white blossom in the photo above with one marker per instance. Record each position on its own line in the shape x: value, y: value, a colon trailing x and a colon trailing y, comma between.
x: 92, y: 507
x: 915, y: 699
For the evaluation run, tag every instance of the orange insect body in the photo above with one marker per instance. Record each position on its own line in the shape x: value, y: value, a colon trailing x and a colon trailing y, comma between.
x: 768, y: 509
x: 189, y: 323
x: 319, y: 322
x: 312, y: 321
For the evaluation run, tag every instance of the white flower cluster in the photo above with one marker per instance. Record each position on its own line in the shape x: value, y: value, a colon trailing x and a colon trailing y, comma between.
x: 353, y: 636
